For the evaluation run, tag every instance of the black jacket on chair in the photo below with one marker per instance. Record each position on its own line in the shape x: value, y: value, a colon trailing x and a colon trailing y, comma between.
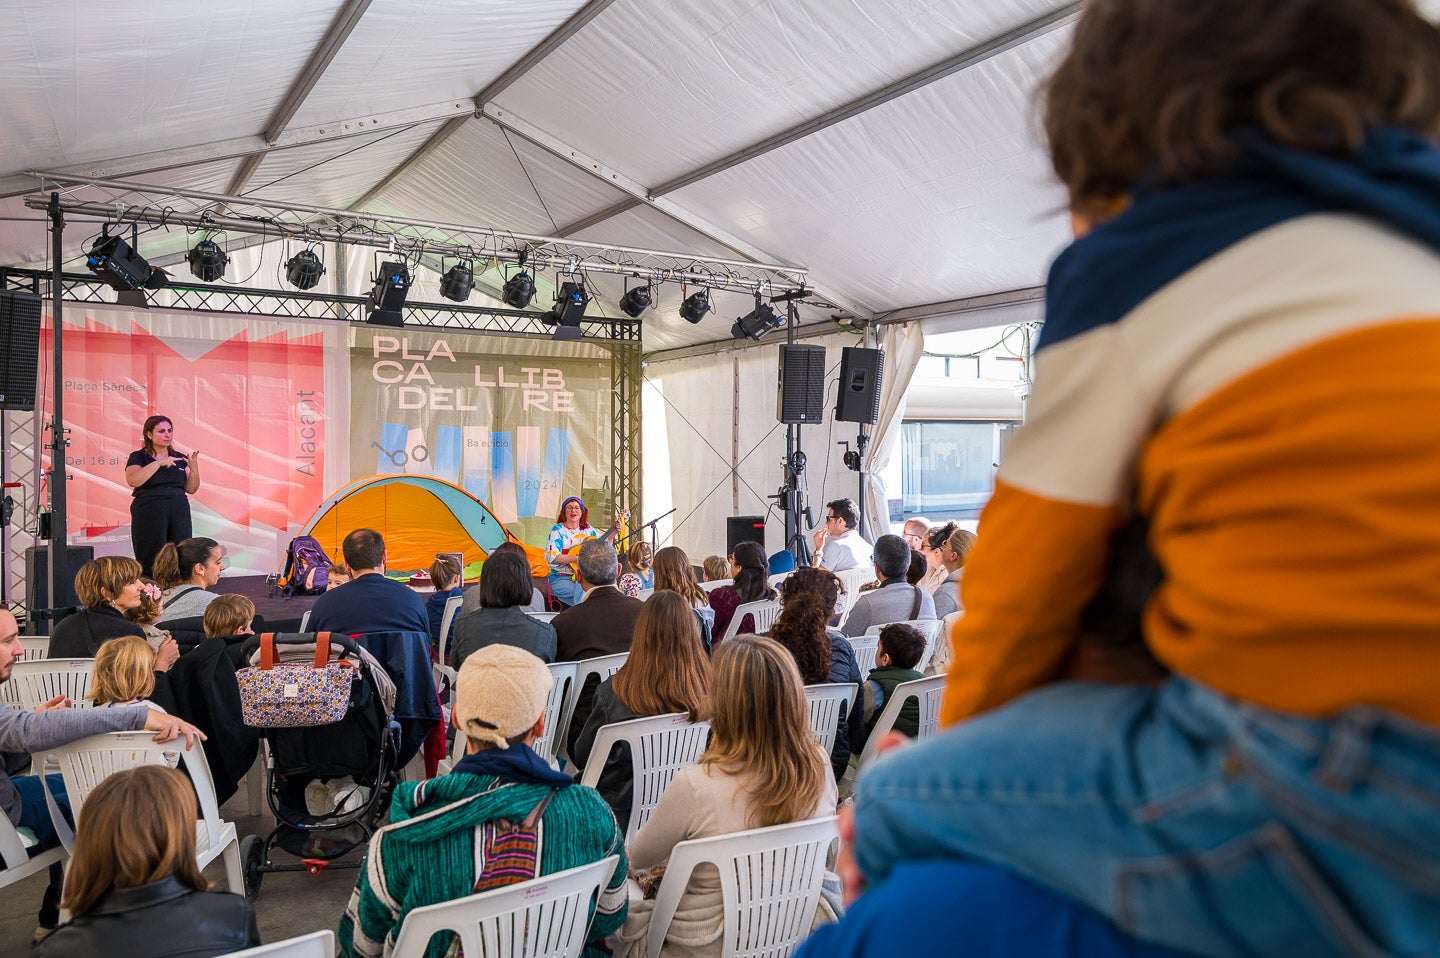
x: 163, y: 919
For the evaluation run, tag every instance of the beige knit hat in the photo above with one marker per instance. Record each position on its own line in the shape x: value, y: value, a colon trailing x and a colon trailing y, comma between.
x: 499, y: 693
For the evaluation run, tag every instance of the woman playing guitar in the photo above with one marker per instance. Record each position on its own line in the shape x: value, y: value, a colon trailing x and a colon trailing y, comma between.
x: 562, y: 547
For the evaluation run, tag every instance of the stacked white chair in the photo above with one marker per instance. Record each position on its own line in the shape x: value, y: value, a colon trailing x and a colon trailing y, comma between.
x: 769, y: 878
x: 660, y: 745
x: 825, y: 712
x: 547, y: 916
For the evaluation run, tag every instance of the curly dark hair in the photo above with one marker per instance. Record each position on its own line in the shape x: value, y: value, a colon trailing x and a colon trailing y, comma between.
x: 800, y: 628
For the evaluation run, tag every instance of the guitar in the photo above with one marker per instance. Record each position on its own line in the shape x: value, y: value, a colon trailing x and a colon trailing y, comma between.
x: 615, y: 527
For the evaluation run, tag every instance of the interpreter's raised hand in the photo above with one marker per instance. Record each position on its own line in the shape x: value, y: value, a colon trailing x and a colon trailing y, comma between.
x: 58, y: 702
x: 168, y: 728
x: 166, y: 461
x: 166, y: 655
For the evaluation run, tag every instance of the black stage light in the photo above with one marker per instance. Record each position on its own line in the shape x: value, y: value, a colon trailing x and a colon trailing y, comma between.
x: 757, y: 322
x: 695, y: 307
x: 112, y: 259
x: 636, y: 301
x: 207, y: 261
x: 568, y: 310
x: 518, y: 290
x: 304, y: 269
x: 458, y: 281
x: 387, y: 297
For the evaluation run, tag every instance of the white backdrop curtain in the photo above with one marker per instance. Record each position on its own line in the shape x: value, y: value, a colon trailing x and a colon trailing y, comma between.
x: 902, y: 345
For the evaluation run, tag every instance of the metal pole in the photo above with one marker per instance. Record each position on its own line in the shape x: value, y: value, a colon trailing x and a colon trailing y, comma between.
x: 59, y: 560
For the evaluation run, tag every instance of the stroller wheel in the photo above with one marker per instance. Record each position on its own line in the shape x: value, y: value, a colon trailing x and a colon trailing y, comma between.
x: 252, y: 864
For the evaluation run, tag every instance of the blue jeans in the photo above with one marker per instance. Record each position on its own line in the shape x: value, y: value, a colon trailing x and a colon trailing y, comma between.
x: 34, y: 814
x: 565, y: 589
x: 1187, y: 818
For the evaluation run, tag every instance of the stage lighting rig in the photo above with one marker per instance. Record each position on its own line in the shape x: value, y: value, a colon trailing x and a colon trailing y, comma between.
x: 387, y: 296
x: 207, y: 261
x: 304, y: 269
x: 569, y: 310
x: 117, y: 263
x: 695, y: 306
x: 520, y: 288
x: 757, y: 322
x: 458, y: 281
x: 636, y: 301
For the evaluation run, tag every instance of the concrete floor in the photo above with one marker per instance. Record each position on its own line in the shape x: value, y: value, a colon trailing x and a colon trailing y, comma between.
x: 290, y: 903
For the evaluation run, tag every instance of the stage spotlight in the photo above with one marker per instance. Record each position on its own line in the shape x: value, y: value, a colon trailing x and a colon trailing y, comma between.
x: 112, y: 259
x: 568, y: 310
x: 207, y: 261
x: 457, y: 282
x: 518, y: 290
x: 757, y: 322
x: 387, y: 297
x: 304, y: 269
x: 695, y: 307
x: 636, y: 301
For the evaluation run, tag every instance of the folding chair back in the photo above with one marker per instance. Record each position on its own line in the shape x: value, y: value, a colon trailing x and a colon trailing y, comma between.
x: 547, y: 917
x: 660, y: 746
x: 770, y: 881
x: 765, y: 612
x: 40, y: 680
x: 825, y: 703
x: 319, y: 944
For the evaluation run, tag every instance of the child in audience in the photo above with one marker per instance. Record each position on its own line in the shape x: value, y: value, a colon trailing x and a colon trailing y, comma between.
x: 674, y: 573
x: 148, y: 612
x: 641, y: 558
x: 229, y: 615
x: 448, y: 579
x: 896, y: 656
x: 763, y: 767
x: 715, y: 568
x: 124, y: 673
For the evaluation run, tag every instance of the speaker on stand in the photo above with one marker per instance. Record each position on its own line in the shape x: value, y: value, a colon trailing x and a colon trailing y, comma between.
x: 858, y: 401
x: 740, y: 529
x: 19, y: 348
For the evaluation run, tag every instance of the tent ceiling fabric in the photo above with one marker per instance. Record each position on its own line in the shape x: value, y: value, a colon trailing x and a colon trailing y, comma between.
x: 938, y: 194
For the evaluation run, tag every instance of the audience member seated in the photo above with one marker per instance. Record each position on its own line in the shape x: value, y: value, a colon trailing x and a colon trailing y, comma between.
x: 761, y: 768
x: 54, y: 724
x: 838, y: 544
x: 914, y: 532
x: 667, y: 671
x: 1277, y: 793
x: 918, y: 567
x: 470, y: 600
x: 148, y: 612
x: 899, y: 651
x: 641, y: 559
x: 603, y: 623
x: 445, y: 833
x: 896, y: 599
x: 715, y: 568
x: 953, y: 555
x: 124, y: 672
x: 108, y: 587
x: 822, y: 655
x: 674, y: 573
x: 447, y: 576
x: 934, y: 550
x: 134, y: 887
x: 750, y: 571
x: 369, y: 602
x: 187, y: 571
x: 500, y: 619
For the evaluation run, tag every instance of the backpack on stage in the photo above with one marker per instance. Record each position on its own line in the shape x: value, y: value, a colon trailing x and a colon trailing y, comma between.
x: 306, y: 569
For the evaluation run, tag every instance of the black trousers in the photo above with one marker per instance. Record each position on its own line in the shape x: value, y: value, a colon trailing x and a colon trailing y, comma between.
x: 154, y: 522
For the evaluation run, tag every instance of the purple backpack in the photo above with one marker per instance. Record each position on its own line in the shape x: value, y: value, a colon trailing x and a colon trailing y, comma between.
x: 306, y: 569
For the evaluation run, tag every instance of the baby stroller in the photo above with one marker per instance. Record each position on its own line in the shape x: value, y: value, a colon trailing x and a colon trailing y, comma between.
x: 328, y: 785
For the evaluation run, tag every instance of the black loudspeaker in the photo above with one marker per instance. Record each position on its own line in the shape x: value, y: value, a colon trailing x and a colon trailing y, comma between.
x: 740, y: 529
x: 19, y: 348
x: 37, y: 582
x: 802, y: 384
x: 861, y: 371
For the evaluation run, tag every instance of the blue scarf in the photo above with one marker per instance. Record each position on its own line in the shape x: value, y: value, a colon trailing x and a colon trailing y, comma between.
x: 518, y: 764
x: 1168, y: 229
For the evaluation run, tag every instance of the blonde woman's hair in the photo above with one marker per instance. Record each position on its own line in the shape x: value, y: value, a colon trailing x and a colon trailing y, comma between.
x: 674, y: 573
x: 715, y: 567
x: 667, y: 670
x: 227, y: 615
x: 137, y: 827
x: 759, y: 725
x: 106, y: 574
x: 124, y: 670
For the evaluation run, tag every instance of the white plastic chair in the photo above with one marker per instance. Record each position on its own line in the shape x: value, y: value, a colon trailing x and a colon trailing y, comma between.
x: 866, y: 647
x: 40, y: 680
x: 441, y: 668
x: 16, y: 861
x: 602, y: 666
x: 317, y: 944
x: 35, y: 646
x: 546, y: 917
x: 86, y: 763
x: 825, y: 713
x: 929, y: 691
x: 304, y: 620
x: 765, y: 612
x: 562, y: 690
x: 543, y: 616
x: 447, y: 618
x: 714, y: 584
x: 769, y: 879
x: 778, y: 578
x: 852, y: 580
x: 660, y: 745
x: 644, y: 594
x: 928, y: 628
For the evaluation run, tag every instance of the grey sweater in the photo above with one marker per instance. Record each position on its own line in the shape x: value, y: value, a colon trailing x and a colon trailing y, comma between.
x: 22, y: 731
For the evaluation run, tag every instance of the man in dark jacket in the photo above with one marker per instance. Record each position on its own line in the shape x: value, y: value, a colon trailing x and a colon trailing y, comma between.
x: 369, y: 602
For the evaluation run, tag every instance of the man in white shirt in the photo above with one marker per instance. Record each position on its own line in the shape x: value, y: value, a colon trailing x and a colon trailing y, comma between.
x: 839, y: 545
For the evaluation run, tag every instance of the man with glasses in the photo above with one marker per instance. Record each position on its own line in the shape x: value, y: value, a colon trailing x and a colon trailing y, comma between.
x: 839, y: 545
x: 916, y: 528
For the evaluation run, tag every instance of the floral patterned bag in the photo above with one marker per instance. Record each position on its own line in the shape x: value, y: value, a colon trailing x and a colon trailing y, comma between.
x: 279, y: 695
